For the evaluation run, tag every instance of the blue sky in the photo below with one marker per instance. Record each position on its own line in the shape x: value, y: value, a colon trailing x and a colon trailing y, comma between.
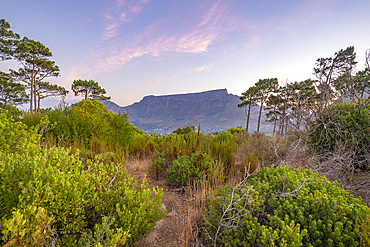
x: 159, y: 47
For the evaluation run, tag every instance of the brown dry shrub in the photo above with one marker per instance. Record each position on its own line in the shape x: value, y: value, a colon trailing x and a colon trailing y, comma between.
x: 268, y: 149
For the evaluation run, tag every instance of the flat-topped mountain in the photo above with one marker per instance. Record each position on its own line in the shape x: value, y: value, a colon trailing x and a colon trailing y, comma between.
x: 215, y: 110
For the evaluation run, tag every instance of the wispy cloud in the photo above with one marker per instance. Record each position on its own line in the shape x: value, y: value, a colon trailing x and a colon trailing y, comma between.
x: 119, y: 13
x: 205, y: 67
x: 190, y: 32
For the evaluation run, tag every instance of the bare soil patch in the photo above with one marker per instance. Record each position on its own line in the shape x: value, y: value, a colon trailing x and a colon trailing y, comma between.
x: 170, y: 230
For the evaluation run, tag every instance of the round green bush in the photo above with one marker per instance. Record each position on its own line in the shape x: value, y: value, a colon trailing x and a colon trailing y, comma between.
x: 283, y: 207
x: 187, y: 168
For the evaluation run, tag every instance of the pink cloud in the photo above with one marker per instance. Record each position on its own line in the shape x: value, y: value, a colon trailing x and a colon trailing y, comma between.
x: 194, y: 35
x: 205, y: 67
x: 119, y: 14
x: 192, y: 32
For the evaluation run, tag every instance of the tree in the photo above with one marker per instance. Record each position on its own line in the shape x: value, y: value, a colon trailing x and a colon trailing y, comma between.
x: 264, y: 88
x: 11, y: 93
x: 7, y: 40
x: 274, y: 105
x: 303, y: 97
x: 328, y: 69
x: 37, y: 66
x: 45, y: 89
x: 248, y: 100
x: 356, y: 87
x: 89, y: 89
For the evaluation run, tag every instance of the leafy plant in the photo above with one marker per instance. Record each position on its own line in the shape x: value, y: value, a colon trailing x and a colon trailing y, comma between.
x: 188, y: 168
x: 283, y: 207
x: 14, y: 136
x: 159, y: 164
x: 71, y: 196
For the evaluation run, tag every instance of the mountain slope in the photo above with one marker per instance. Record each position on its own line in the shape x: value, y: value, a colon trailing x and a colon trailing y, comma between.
x: 215, y: 110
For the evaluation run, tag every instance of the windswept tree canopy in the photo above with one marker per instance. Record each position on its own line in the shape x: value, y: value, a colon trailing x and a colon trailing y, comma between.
x: 45, y: 89
x: 249, y: 99
x: 89, y: 89
x: 7, y: 40
x: 36, y: 66
x: 11, y: 93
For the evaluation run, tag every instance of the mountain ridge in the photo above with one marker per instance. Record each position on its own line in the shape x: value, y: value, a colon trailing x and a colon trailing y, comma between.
x: 214, y: 110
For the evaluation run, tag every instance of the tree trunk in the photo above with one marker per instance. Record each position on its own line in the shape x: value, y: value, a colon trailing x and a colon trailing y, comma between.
x: 35, y: 95
x: 38, y: 103
x: 248, y: 116
x: 259, y: 116
x: 32, y: 79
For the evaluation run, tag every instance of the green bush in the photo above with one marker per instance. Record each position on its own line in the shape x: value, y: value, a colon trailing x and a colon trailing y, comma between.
x: 185, y: 130
x: 76, y: 194
x: 84, y: 121
x: 283, y: 207
x: 14, y: 136
x: 53, y: 195
x: 188, y: 168
x: 343, y: 127
x: 158, y: 165
x: 237, y: 130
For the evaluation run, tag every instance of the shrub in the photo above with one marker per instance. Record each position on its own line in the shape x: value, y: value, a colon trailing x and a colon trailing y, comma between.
x: 74, y: 196
x: 185, y: 130
x: 283, y: 207
x: 363, y: 229
x: 224, y: 148
x: 268, y: 149
x: 188, y: 168
x: 14, y: 136
x: 238, y: 130
x: 86, y: 120
x: 344, y: 126
x: 158, y: 165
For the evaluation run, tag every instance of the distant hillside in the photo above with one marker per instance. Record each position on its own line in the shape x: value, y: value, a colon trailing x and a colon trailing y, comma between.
x: 215, y: 110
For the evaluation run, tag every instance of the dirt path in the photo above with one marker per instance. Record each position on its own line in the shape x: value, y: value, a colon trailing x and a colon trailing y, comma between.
x: 168, y: 231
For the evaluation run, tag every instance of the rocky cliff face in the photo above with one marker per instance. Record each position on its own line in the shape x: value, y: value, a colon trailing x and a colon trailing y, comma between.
x: 215, y: 110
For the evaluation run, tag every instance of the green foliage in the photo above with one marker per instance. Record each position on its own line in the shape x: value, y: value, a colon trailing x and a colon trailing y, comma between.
x: 76, y: 194
x: 103, y: 235
x: 30, y: 226
x: 188, y: 168
x: 249, y: 99
x: 263, y: 89
x: 49, y: 191
x: 363, y: 229
x: 36, y: 66
x: 159, y: 164
x: 87, y: 120
x: 11, y: 93
x: 238, y: 129
x: 14, y: 112
x: 222, y: 147
x: 89, y: 89
x: 283, y: 207
x: 7, y: 40
x: 14, y: 136
x: 185, y: 130
x: 344, y: 126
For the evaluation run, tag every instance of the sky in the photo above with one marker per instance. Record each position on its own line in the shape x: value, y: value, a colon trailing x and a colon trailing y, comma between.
x: 134, y: 48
